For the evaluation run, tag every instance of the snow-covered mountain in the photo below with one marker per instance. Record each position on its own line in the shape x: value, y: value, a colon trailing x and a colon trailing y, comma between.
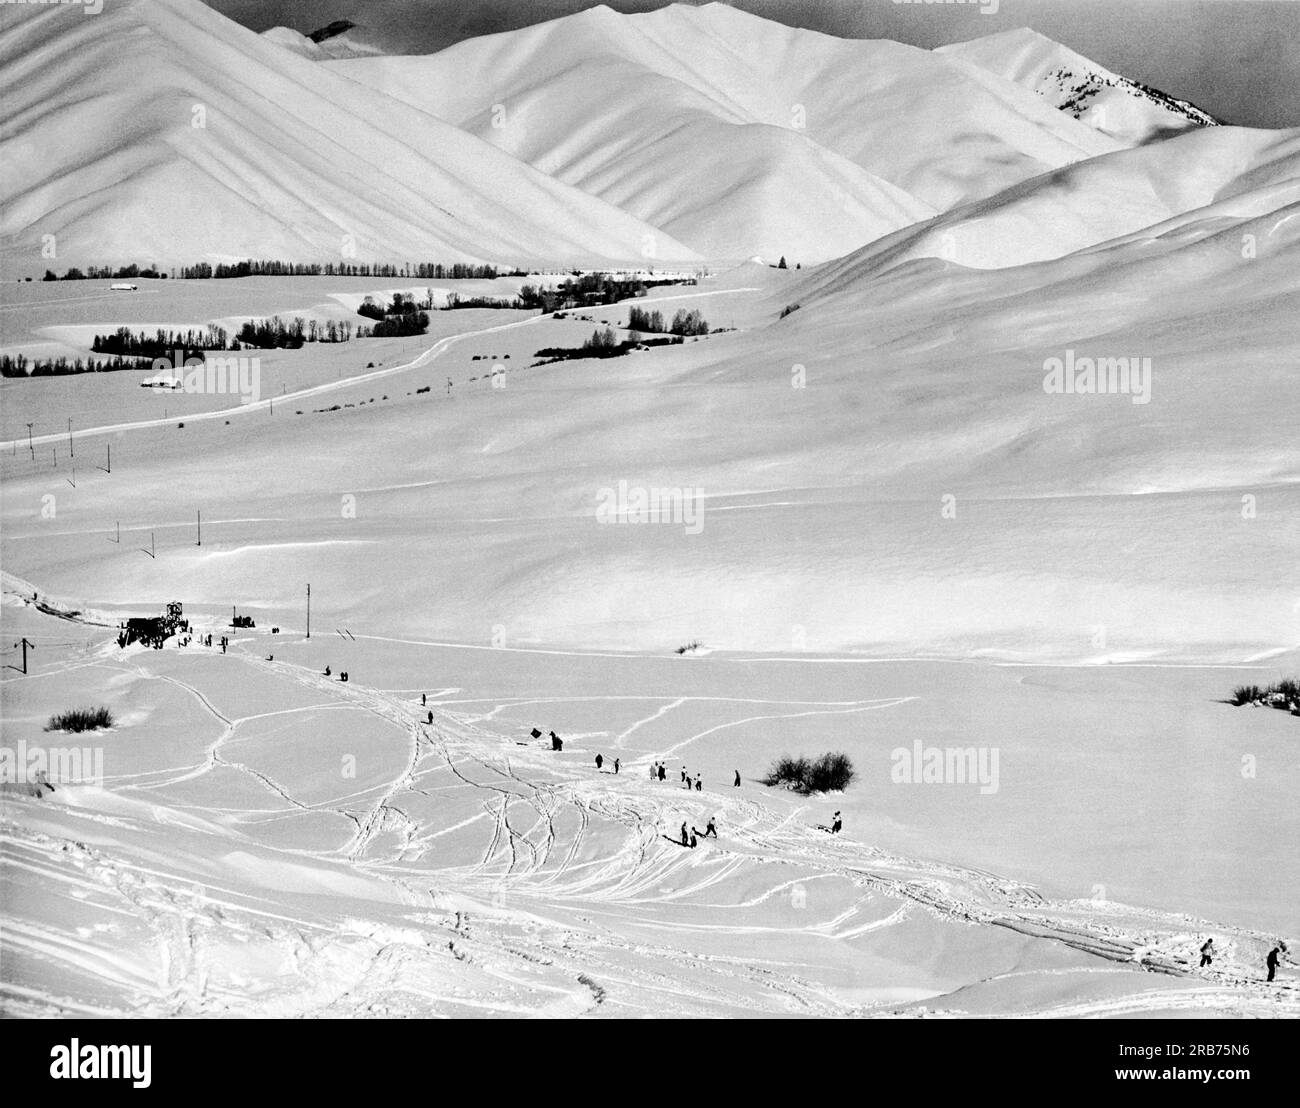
x: 1125, y: 109
x: 160, y: 131
x: 736, y: 134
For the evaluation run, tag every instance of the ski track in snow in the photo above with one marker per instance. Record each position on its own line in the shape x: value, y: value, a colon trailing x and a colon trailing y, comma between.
x: 552, y: 897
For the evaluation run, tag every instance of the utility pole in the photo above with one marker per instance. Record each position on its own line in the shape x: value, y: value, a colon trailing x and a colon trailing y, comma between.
x: 309, y: 611
x: 26, y: 644
x: 29, y: 442
x: 71, y: 453
x: 109, y: 447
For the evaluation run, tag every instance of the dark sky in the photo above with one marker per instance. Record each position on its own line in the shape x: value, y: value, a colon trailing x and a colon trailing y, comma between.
x: 1237, y: 59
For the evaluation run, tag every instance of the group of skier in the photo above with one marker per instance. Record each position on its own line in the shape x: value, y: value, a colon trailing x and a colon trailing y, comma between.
x: 1270, y: 959
x: 659, y: 772
x: 693, y: 837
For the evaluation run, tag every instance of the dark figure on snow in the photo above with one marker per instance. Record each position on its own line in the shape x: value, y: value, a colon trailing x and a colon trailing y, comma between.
x: 343, y: 676
x: 1207, y: 952
x: 710, y: 829
x: 736, y: 783
x: 699, y: 784
x: 430, y: 717
x: 600, y: 760
x: 654, y: 771
x: 837, y: 824
x: 693, y: 840
x: 424, y: 699
x: 615, y: 765
x: 327, y: 671
x: 686, y: 841
x: 662, y: 772
x: 688, y: 784
x: 1271, y: 962
x: 684, y: 773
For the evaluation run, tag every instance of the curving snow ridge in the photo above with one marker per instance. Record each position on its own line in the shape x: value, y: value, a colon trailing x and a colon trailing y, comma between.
x: 1206, y: 175
x: 164, y: 132
x: 1115, y: 105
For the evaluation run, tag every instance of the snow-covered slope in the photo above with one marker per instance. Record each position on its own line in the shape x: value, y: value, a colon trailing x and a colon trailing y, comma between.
x: 709, y: 121
x: 1120, y: 107
x: 160, y: 131
x: 1210, y: 174
x: 320, y: 46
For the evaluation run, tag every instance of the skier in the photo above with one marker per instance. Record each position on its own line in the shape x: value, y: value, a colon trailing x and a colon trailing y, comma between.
x: 710, y: 829
x: 688, y: 784
x: 424, y: 700
x: 662, y: 773
x: 1207, y: 953
x: 600, y: 760
x: 430, y: 717
x: 685, y: 839
x: 836, y: 824
x: 683, y: 773
x: 1271, y: 962
x: 699, y: 784
x: 616, y: 765
x: 327, y: 671
x: 736, y: 783
x: 693, y: 840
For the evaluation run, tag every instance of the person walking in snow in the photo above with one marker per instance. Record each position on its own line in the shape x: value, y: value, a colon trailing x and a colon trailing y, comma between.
x: 693, y: 839
x: 1271, y: 962
x: 662, y: 771
x: 699, y: 784
x: 736, y: 783
x: 616, y: 762
x: 685, y: 839
x: 683, y: 773
x: 710, y: 828
x: 600, y: 760
x: 836, y: 824
x: 1207, y: 953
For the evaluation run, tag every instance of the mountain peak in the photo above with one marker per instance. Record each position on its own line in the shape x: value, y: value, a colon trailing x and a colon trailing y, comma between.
x: 1118, y: 106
